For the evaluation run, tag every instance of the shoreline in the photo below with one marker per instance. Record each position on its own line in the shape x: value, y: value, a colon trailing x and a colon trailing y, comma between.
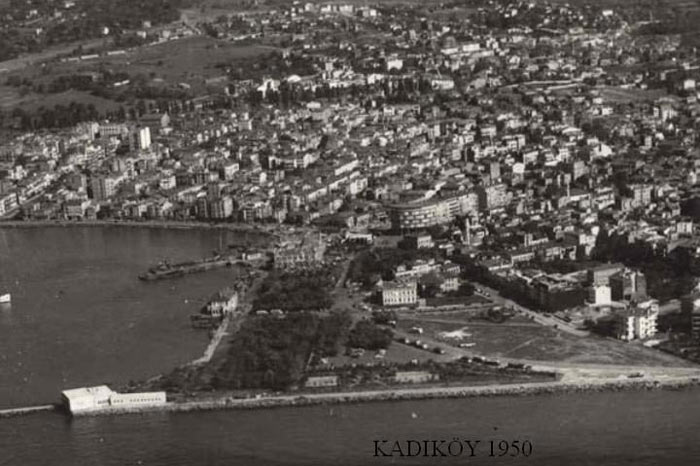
x: 165, y: 225
x: 411, y: 394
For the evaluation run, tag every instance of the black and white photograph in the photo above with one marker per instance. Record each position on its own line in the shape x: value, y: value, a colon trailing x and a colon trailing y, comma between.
x: 349, y: 232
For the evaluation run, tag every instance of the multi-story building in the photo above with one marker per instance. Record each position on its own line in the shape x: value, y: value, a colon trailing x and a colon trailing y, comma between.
x: 599, y: 295
x: 695, y: 320
x: 221, y: 208
x: 420, y: 241
x: 400, y: 293
x: 74, y: 209
x: 418, y: 216
x: 140, y: 138
x: 305, y: 252
x: 155, y: 121
x: 638, y: 322
x: 109, y: 130
x: 601, y: 275
x: 690, y: 307
x: 628, y: 285
x: 103, y: 186
x: 8, y: 203
x: 494, y: 196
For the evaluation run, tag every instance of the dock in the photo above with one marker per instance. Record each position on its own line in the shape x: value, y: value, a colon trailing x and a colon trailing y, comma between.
x: 14, y: 412
x: 166, y: 270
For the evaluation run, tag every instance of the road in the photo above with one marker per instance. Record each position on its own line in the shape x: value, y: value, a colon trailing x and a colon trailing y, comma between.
x: 536, y: 316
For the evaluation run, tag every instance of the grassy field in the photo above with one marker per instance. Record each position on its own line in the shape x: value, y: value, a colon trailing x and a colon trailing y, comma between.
x: 186, y: 60
x: 520, y: 339
x: 618, y: 95
x: 191, y: 60
x: 11, y: 98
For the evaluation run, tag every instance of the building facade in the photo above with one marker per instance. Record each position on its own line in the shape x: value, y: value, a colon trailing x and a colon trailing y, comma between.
x: 639, y: 322
x: 102, y: 398
x: 400, y: 293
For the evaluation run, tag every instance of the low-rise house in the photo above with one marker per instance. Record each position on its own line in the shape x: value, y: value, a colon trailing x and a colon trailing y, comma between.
x: 415, y: 377
x: 321, y: 381
x: 223, y: 303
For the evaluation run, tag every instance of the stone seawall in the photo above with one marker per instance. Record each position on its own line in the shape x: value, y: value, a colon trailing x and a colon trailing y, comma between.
x: 406, y: 394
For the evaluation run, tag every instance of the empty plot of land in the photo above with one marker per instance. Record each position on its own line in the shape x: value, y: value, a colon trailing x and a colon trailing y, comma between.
x: 621, y: 95
x: 534, y: 342
x: 182, y: 60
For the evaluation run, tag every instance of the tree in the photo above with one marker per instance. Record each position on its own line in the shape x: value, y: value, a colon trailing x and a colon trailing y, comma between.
x: 430, y: 285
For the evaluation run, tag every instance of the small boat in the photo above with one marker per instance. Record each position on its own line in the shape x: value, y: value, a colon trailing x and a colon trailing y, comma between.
x: 5, y: 298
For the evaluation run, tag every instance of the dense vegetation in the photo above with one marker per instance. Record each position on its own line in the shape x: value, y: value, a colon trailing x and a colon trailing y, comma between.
x: 368, y: 335
x: 85, y: 20
x: 60, y: 116
x: 668, y: 276
x: 271, y: 352
x: 371, y: 265
x: 295, y: 292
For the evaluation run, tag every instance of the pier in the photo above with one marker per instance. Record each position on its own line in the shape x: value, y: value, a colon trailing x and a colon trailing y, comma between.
x: 13, y: 412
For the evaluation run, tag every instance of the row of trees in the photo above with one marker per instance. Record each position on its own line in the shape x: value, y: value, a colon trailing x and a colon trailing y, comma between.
x: 58, y: 116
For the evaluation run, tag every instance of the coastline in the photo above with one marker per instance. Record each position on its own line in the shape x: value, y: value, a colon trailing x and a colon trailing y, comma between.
x: 165, y: 225
x: 412, y: 394
x: 404, y: 394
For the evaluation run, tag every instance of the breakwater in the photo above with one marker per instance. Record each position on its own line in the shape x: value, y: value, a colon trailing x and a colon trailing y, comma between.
x: 14, y: 412
x: 411, y: 394
x: 399, y: 394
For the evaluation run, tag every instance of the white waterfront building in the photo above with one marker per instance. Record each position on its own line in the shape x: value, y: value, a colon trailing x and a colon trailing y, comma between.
x: 102, y: 398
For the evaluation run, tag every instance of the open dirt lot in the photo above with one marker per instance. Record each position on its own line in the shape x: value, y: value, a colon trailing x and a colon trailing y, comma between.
x: 521, y: 339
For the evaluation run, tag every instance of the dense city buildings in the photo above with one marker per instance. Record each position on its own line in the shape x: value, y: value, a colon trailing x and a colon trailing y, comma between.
x: 504, y: 157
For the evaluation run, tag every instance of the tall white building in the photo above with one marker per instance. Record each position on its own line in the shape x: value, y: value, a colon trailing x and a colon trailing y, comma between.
x: 140, y: 138
x: 599, y: 295
x: 400, y: 293
x: 639, y: 322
